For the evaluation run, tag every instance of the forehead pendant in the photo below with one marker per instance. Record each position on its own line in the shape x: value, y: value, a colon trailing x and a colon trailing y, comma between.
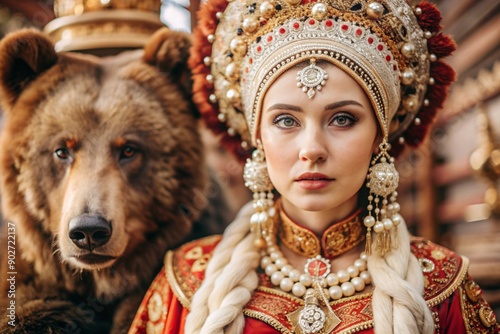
x: 311, y: 78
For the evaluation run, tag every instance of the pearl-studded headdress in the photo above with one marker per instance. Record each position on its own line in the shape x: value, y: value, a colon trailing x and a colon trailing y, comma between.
x: 390, y: 47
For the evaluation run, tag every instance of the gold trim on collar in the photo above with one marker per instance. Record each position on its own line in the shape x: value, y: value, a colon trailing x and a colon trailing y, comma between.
x: 337, y: 239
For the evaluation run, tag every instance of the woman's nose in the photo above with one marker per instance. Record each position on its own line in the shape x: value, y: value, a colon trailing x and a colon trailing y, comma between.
x: 313, y: 147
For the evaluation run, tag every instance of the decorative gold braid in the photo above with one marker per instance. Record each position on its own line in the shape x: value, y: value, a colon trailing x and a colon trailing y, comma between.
x: 340, y: 238
x: 337, y: 239
x: 297, y: 238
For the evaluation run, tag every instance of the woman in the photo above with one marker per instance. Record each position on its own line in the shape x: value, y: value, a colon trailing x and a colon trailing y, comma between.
x: 320, y: 91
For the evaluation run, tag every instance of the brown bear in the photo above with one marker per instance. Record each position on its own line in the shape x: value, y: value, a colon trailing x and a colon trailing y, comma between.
x: 100, y: 170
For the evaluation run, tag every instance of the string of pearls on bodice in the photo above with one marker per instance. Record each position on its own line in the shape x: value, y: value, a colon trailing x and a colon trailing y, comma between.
x: 343, y: 283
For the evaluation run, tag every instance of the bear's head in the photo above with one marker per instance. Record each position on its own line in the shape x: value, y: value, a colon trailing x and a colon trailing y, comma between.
x: 100, y: 158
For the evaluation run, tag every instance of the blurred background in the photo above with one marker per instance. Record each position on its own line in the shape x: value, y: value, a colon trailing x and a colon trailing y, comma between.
x: 450, y: 187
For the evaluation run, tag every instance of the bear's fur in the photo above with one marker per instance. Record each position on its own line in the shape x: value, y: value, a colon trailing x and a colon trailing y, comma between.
x: 100, y: 165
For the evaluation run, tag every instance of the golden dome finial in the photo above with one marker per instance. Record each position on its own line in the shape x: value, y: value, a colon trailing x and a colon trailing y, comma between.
x: 103, y: 26
x: 78, y: 7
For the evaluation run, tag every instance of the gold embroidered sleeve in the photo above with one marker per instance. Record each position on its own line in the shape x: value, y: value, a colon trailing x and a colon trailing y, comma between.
x: 476, y: 312
x: 185, y: 267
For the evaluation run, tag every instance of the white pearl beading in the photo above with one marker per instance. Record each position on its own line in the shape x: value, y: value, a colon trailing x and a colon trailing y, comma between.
x: 344, y: 283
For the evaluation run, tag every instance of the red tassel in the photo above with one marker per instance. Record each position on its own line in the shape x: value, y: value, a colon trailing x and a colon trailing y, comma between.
x: 430, y: 18
x: 396, y: 149
x: 443, y: 76
x: 202, y: 89
x: 442, y: 73
x: 416, y: 134
x: 441, y: 45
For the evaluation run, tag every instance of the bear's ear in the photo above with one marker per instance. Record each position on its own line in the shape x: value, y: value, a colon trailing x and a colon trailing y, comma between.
x: 24, y: 55
x: 169, y: 51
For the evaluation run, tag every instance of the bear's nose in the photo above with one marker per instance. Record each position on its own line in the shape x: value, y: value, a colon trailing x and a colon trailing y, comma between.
x: 89, y: 232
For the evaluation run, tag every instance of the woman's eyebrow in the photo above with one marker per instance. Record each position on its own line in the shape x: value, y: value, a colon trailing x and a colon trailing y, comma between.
x: 284, y: 106
x: 339, y: 104
x: 334, y: 105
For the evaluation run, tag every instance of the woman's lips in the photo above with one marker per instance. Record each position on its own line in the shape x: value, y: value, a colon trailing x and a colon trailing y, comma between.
x: 313, y: 181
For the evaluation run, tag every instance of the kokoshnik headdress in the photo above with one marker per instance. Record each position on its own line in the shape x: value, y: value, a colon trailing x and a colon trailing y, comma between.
x: 392, y: 48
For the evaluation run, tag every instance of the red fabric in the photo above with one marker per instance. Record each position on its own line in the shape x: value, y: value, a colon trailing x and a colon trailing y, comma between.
x: 464, y: 311
x: 450, y: 316
x: 176, y: 318
x: 167, y: 318
x: 253, y: 326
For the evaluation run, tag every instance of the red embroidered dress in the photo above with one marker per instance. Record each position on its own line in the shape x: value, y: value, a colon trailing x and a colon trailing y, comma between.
x: 454, y: 298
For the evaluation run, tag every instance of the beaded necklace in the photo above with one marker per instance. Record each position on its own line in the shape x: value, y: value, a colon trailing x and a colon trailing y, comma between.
x: 316, y: 283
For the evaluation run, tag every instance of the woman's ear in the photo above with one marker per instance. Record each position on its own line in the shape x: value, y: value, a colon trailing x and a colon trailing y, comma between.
x: 258, y: 135
x: 377, y: 142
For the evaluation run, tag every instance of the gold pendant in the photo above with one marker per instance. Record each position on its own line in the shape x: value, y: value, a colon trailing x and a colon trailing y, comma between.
x: 313, y: 318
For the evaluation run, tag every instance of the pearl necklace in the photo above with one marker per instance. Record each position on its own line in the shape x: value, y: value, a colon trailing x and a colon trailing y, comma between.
x: 344, y: 283
x: 316, y: 283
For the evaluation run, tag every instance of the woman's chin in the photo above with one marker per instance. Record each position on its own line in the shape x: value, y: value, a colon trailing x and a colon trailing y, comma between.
x: 318, y: 202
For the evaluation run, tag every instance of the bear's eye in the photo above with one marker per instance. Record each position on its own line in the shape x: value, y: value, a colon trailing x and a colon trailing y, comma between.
x: 127, y: 152
x: 62, y: 153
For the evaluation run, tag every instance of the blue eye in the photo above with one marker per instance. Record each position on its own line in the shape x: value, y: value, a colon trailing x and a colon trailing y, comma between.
x: 285, y: 122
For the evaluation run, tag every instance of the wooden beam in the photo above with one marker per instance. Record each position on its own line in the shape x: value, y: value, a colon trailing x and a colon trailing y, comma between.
x: 470, y: 51
x: 39, y: 12
x: 451, y: 172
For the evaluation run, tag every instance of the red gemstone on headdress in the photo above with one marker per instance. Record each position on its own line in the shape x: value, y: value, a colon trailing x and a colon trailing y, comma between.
x: 370, y: 40
x: 246, y: 69
x: 380, y: 47
x: 344, y: 27
x: 359, y: 32
x: 395, y: 67
x: 282, y: 31
x: 312, y: 22
x: 259, y: 48
x: 296, y: 25
x: 250, y: 61
x: 269, y: 39
x: 388, y: 58
x: 328, y: 23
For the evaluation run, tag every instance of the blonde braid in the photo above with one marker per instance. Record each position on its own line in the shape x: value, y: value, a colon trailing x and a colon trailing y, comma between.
x: 398, y: 304
x: 230, y: 280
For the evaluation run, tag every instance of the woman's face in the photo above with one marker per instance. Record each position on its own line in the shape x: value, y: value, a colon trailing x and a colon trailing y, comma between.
x: 318, y: 150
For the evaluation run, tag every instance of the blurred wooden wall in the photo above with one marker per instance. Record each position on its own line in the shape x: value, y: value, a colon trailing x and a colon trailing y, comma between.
x: 445, y: 197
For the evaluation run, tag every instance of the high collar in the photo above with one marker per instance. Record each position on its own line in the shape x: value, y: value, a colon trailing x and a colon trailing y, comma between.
x: 336, y: 240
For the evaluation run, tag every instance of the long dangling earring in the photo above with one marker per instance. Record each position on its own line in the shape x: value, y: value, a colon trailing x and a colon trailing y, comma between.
x: 257, y: 180
x: 383, y: 179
